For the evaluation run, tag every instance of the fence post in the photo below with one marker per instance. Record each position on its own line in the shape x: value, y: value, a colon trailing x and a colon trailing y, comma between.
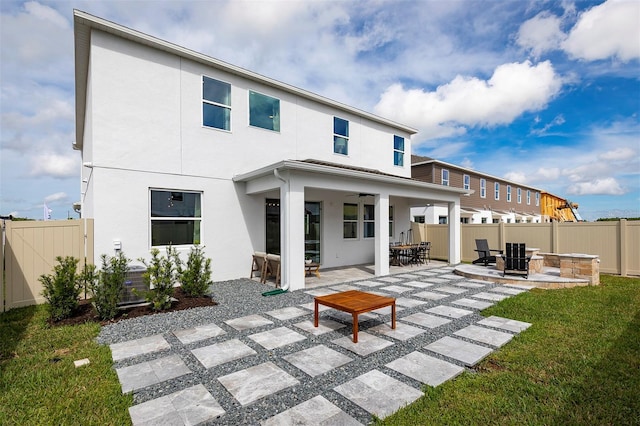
x: 555, y: 237
x: 623, y: 247
x: 502, y: 237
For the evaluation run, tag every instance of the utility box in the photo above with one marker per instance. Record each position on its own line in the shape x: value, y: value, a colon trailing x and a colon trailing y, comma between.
x: 132, y: 281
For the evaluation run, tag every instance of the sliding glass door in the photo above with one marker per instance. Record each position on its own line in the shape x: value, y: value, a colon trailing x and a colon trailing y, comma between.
x: 312, y: 235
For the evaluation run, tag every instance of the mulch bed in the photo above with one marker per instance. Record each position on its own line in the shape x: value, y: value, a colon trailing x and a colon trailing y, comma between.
x: 86, y: 312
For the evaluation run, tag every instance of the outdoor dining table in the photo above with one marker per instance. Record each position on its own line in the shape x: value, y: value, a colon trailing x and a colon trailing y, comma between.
x: 396, y: 250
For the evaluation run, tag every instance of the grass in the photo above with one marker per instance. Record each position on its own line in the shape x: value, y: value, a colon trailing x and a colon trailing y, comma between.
x: 578, y: 364
x: 39, y: 384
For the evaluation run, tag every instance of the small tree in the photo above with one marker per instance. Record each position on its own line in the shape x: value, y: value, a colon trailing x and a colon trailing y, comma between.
x: 196, y: 278
x: 107, y: 284
x: 160, y: 277
x: 62, y: 288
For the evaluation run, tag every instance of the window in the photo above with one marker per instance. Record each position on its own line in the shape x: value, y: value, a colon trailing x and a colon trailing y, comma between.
x: 340, y: 136
x: 442, y: 220
x: 264, y: 111
x: 466, y: 182
x: 464, y: 220
x: 391, y: 221
x: 508, y: 193
x: 519, y: 195
x: 175, y: 218
x: 495, y: 220
x: 483, y: 220
x: 483, y: 188
x: 537, y: 198
x: 216, y: 104
x: 445, y: 177
x: 496, y: 190
x: 369, y: 222
x: 398, y: 151
x: 418, y: 219
x: 350, y: 221
x: 528, y: 197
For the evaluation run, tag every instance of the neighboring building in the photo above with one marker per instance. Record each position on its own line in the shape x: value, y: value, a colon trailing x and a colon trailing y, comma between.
x: 493, y: 199
x: 558, y: 209
x: 180, y: 148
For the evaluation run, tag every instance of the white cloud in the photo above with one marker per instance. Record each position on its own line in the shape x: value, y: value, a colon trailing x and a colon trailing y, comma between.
x: 541, y: 33
x: 46, y: 13
x: 606, y: 186
x: 55, y: 165
x: 58, y: 196
x: 610, y: 29
x: 520, y: 177
x: 513, y: 89
x: 623, y: 153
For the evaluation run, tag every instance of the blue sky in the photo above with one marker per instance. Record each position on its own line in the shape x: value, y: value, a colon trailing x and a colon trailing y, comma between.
x: 546, y: 93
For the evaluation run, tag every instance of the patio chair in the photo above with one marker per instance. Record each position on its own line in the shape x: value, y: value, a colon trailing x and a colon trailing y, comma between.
x: 273, y: 268
x: 424, y: 252
x: 259, y: 264
x: 484, y: 253
x: 516, y: 261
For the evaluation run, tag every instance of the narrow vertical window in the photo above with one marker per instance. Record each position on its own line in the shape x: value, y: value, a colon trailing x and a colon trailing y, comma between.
x: 340, y: 136
x: 216, y: 104
x: 398, y: 151
x: 264, y: 111
x: 445, y: 177
x: 528, y: 197
x: 466, y: 182
x: 369, y: 221
x: 508, y: 193
x: 496, y: 190
x: 483, y: 188
x: 537, y: 198
x: 350, y: 221
x: 519, y: 195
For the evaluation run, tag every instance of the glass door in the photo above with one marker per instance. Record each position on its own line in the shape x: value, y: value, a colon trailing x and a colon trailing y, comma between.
x: 272, y: 226
x: 312, y: 234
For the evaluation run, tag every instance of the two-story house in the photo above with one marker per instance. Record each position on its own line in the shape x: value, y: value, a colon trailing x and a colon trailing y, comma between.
x: 180, y: 148
x: 493, y: 199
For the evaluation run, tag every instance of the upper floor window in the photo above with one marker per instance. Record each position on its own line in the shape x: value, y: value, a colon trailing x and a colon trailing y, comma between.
x: 496, y: 190
x: 369, y: 221
x: 350, y: 220
x: 466, y: 182
x: 216, y: 104
x: 483, y: 188
x: 418, y: 219
x: 537, y: 198
x: 445, y: 177
x: 175, y: 217
x: 264, y: 111
x: 508, y: 193
x: 519, y: 195
x: 340, y: 136
x: 528, y: 197
x: 398, y: 151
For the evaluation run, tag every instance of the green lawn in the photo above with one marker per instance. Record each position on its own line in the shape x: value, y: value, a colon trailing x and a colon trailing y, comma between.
x: 578, y: 364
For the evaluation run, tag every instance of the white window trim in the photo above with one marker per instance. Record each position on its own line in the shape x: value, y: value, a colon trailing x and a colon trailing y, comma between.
x: 249, y: 111
x: 364, y: 221
x: 158, y: 219
x: 333, y: 148
x: 397, y: 150
x: 217, y: 104
x: 357, y: 221
x: 496, y: 190
x: 466, y: 182
x: 444, y: 181
x: 508, y: 193
x: 528, y: 197
x: 483, y: 188
x: 519, y: 195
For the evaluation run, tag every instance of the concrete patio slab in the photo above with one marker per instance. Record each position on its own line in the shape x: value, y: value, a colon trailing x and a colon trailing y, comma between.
x: 287, y: 313
x: 485, y: 335
x: 149, y: 373
x: 367, y: 343
x: 346, y: 317
x: 508, y: 290
x: 449, y: 311
x: 426, y: 273
x: 137, y: 347
x: 254, y: 383
x: 317, y: 360
x: 276, y: 338
x: 310, y: 306
x: 426, y: 369
x: 316, y: 411
x: 370, y: 283
x: 324, y: 326
x: 389, y: 279
x: 451, y: 289
x: 470, y: 303
x: 425, y: 320
x: 248, y: 322
x: 505, y: 324
x: 321, y: 292
x: 437, y: 280
x: 430, y: 295
x: 378, y: 393
x: 449, y: 276
x: 345, y: 287
x: 408, y: 276
x: 190, y: 406
x: 490, y: 296
x: 469, y: 284
x: 468, y: 353
x: 418, y: 284
x: 196, y: 334
x: 409, y: 303
x: 401, y: 332
x: 386, y: 310
x: 220, y: 353
x: 396, y: 288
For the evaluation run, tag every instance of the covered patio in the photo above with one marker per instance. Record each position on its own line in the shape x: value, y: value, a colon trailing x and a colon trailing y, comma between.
x: 296, y: 182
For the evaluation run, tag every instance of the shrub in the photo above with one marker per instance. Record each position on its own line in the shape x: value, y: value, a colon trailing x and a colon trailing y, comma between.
x: 62, y: 288
x: 161, y: 275
x: 196, y: 278
x: 107, y: 285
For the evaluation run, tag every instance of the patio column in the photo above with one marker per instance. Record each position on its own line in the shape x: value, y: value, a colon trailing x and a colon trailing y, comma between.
x: 292, y: 233
x: 382, y: 234
x: 454, y: 233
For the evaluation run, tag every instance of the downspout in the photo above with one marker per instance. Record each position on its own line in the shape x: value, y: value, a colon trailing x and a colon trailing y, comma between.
x: 277, y: 175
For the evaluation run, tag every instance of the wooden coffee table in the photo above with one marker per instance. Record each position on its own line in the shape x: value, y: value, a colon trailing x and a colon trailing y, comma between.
x: 355, y: 302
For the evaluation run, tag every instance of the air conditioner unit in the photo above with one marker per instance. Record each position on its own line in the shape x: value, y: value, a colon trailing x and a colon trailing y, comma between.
x: 132, y: 281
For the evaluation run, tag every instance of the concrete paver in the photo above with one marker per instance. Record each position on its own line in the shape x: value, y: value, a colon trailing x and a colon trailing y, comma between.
x: 465, y: 352
x: 317, y: 360
x: 505, y: 324
x: 256, y: 382
x: 485, y: 335
x: 149, y: 373
x: 190, y: 335
x: 220, y: 353
x: 426, y: 369
x: 137, y: 347
x: 316, y: 411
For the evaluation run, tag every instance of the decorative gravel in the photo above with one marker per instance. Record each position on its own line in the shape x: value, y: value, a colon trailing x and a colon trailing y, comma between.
x: 243, y: 297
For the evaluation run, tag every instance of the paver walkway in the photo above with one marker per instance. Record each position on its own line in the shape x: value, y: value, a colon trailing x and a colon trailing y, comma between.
x: 439, y: 334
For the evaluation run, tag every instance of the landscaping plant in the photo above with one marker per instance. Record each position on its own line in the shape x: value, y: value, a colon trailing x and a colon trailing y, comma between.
x: 107, y: 285
x: 62, y: 288
x: 196, y: 278
x: 160, y: 278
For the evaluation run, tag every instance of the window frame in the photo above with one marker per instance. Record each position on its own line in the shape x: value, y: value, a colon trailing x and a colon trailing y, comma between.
x: 466, y: 182
x: 398, y: 154
x: 337, y: 136
x: 368, y: 221
x: 528, y: 197
x: 275, y: 117
x: 444, y: 180
x: 350, y: 221
x: 508, y: 193
x: 483, y: 188
x: 216, y: 104
x: 496, y: 190
x: 537, y: 199
x: 196, y: 219
x: 391, y: 221
x: 519, y: 195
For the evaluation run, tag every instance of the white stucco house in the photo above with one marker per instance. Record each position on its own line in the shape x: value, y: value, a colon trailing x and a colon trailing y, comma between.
x: 178, y: 147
